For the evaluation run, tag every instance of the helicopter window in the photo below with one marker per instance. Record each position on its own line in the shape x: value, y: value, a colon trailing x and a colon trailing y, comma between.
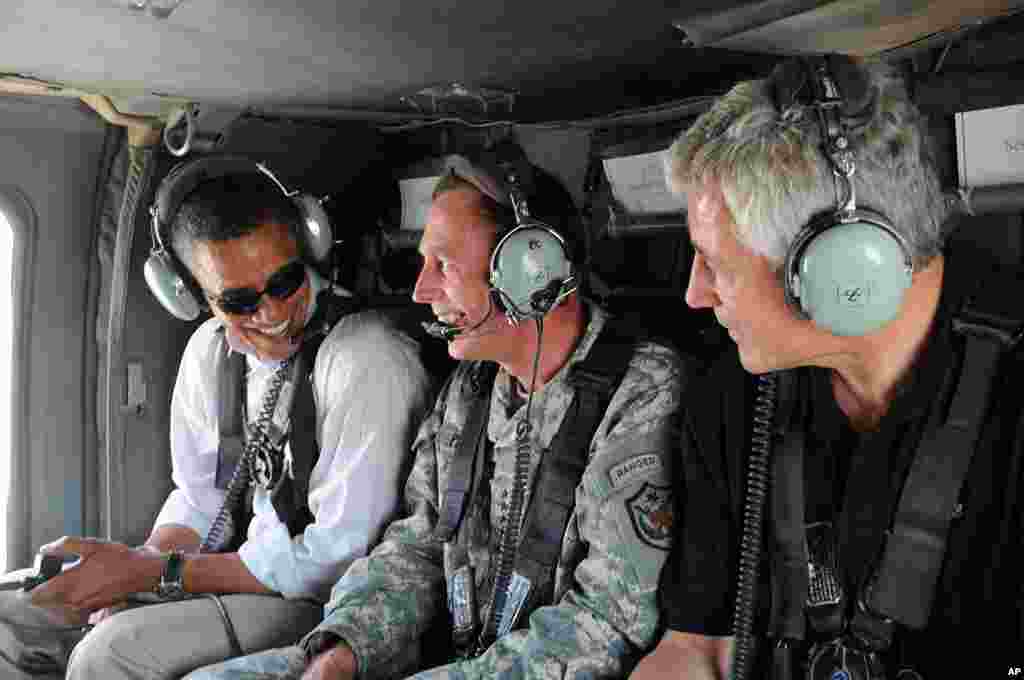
x: 6, y: 347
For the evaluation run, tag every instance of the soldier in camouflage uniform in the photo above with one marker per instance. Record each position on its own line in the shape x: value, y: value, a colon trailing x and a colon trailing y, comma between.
x: 600, y: 615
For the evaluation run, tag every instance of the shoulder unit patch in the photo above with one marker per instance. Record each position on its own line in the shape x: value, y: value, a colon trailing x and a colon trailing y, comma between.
x: 651, y: 512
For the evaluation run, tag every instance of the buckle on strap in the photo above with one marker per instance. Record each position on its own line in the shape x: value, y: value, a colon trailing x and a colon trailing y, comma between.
x: 872, y: 629
x: 990, y: 312
x: 1006, y: 331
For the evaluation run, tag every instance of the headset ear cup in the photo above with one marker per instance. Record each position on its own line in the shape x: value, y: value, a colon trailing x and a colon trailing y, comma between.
x: 850, y: 277
x: 530, y: 270
x: 316, y: 232
x: 170, y: 288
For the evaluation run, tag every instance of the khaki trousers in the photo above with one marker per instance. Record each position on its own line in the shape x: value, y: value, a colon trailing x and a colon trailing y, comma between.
x: 168, y: 640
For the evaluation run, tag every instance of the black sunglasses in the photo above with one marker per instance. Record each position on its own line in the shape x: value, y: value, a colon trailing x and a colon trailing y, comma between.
x: 281, y: 285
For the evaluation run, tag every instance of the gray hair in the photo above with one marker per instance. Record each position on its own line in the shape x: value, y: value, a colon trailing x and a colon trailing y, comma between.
x: 775, y: 177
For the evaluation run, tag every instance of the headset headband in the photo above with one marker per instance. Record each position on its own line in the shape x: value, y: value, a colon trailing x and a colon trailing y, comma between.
x: 175, y: 189
x: 848, y: 268
x: 168, y: 278
x: 489, y: 182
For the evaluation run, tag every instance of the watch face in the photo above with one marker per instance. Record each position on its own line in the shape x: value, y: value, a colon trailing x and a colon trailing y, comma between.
x: 172, y: 585
x: 171, y: 592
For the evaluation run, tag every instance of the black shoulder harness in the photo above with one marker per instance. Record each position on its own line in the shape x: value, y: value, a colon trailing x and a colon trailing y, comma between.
x: 902, y: 587
x: 595, y: 380
x: 291, y: 497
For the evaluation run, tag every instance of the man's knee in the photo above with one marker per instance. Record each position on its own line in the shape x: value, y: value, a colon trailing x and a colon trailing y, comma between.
x: 111, y: 650
x: 34, y: 641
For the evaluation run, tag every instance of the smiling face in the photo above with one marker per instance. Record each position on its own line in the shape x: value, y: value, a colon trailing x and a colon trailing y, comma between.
x: 248, y: 263
x: 743, y: 290
x: 456, y: 249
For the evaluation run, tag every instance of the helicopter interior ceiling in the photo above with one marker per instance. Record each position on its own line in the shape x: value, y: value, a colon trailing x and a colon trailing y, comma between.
x: 529, y: 60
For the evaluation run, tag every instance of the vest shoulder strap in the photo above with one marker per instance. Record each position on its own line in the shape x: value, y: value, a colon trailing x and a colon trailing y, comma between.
x: 291, y: 497
x: 595, y: 379
x: 470, y: 441
x: 903, y: 587
x: 230, y: 407
x: 991, y: 308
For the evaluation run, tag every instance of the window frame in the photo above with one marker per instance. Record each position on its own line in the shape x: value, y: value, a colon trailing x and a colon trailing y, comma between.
x: 21, y: 216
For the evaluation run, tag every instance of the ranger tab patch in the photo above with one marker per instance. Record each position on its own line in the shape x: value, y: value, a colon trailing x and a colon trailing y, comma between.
x: 651, y: 512
x: 637, y: 467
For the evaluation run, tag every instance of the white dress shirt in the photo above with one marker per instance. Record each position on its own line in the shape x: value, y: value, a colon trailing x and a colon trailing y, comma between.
x: 370, y: 390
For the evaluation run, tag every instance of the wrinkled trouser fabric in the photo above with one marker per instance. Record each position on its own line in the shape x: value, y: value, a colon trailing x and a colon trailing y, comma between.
x: 39, y: 645
x: 160, y: 641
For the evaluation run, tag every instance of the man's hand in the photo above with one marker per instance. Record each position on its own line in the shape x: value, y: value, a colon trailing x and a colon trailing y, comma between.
x: 264, y: 347
x: 101, y: 614
x: 105, y: 574
x: 337, y: 663
x: 684, y: 656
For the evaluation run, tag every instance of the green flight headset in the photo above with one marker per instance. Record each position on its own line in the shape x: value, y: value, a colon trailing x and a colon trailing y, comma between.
x: 848, y: 269
x: 531, y: 269
x: 167, y: 277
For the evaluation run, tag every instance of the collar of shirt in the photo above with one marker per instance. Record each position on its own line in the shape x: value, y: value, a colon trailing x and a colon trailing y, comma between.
x: 549, y: 402
x: 915, y: 395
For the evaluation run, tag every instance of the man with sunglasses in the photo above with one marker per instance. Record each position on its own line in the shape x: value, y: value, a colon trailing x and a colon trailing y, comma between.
x: 237, y: 237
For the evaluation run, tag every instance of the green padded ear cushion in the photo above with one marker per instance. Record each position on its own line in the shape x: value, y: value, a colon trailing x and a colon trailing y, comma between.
x: 530, y: 270
x: 849, y: 276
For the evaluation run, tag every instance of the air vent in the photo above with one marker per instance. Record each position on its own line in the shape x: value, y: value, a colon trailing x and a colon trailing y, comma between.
x: 161, y: 9
x: 456, y: 98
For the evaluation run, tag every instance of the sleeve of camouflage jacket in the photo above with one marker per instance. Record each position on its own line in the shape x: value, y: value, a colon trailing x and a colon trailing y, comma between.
x: 608, y: 616
x: 386, y: 601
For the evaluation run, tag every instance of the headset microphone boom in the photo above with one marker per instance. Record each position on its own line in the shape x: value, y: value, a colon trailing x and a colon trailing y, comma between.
x: 448, y: 332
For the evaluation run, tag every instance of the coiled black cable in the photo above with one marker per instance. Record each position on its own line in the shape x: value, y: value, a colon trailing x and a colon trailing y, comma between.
x: 223, y: 530
x: 508, y: 543
x: 229, y: 627
x: 745, y: 643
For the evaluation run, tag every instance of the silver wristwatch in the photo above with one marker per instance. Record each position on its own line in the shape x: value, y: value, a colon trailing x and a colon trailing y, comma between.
x: 172, y: 580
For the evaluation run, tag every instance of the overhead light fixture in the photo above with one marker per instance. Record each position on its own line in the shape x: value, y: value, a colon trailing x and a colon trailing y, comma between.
x: 161, y: 9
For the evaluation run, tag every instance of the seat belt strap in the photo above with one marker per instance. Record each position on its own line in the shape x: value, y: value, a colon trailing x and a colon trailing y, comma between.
x: 903, y: 586
x: 470, y: 440
x: 291, y: 497
x: 904, y: 583
x: 595, y: 379
x: 230, y: 406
